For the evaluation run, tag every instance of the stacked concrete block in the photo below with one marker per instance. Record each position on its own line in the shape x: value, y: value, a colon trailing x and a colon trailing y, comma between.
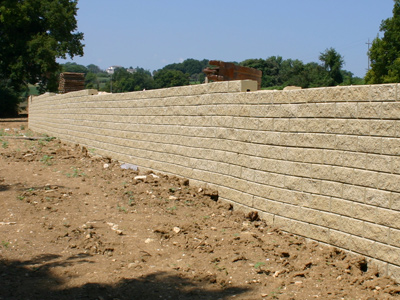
x: 321, y: 163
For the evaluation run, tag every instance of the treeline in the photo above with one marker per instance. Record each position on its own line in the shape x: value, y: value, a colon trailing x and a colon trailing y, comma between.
x: 277, y: 74
x: 123, y: 79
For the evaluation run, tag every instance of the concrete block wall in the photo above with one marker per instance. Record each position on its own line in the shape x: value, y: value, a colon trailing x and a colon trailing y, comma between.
x: 322, y: 163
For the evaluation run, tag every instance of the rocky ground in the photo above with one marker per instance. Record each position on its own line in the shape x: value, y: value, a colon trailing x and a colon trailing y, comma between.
x: 74, y: 225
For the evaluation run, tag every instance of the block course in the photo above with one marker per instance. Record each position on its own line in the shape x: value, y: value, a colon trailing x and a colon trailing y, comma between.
x: 322, y: 163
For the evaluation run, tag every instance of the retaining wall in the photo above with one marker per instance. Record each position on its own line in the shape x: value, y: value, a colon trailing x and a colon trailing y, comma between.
x: 322, y: 163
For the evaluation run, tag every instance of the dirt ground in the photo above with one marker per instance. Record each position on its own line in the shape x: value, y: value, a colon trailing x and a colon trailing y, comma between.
x: 74, y: 225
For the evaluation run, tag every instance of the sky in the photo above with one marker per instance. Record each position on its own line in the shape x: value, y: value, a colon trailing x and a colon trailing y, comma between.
x: 153, y: 33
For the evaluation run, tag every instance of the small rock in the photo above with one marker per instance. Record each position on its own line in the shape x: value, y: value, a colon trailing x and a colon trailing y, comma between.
x: 172, y: 198
x: 106, y: 166
x: 277, y: 273
x: 140, y: 177
x: 148, y: 241
x: 131, y: 265
x: 298, y: 283
x: 199, y: 190
x: 129, y: 167
x: 177, y: 229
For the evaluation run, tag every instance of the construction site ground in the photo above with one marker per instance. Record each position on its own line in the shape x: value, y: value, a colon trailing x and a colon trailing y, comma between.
x: 75, y: 225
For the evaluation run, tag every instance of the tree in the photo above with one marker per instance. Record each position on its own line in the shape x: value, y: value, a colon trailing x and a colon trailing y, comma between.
x: 33, y: 33
x: 93, y: 69
x: 74, y: 67
x: 333, y: 63
x: 123, y: 81
x: 190, y: 66
x: 384, y: 53
x: 170, y: 78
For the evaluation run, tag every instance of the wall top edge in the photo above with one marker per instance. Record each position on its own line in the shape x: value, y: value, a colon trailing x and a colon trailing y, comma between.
x: 338, y: 93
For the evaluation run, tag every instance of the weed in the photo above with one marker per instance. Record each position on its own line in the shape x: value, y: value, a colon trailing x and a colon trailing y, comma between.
x: 29, y: 133
x: 48, y: 138
x: 131, y: 201
x: 20, y: 197
x: 259, y: 264
x: 22, y: 127
x: 42, y: 143
x: 3, y: 133
x: 75, y: 173
x: 172, y: 190
x: 5, y: 244
x: 172, y: 208
x: 121, y: 208
x: 46, y: 159
x: 4, y: 144
x: 221, y: 268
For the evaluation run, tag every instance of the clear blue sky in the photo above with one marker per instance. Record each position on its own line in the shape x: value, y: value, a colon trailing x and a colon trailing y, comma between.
x: 153, y: 33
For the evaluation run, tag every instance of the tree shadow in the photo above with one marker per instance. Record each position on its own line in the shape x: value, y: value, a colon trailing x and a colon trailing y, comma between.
x: 33, y: 279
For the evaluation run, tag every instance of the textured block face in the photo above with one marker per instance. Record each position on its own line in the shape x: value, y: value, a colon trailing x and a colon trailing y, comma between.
x: 322, y: 163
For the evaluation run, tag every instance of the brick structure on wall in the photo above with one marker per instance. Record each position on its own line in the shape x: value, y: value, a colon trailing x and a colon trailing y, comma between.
x: 322, y: 163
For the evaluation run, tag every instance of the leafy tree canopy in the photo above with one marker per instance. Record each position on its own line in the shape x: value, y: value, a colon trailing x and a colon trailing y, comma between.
x: 170, y: 78
x: 33, y: 34
x: 74, y: 67
x: 333, y: 63
x: 384, y: 53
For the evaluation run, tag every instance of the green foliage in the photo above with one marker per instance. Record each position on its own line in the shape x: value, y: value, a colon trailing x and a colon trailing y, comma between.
x: 384, y: 53
x: 9, y: 99
x: 91, y: 81
x: 124, y: 81
x: 333, y: 63
x: 93, y: 69
x: 46, y: 159
x: 170, y: 78
x: 4, y: 144
x: 278, y: 73
x: 74, y: 67
x: 190, y: 66
x: 33, y: 34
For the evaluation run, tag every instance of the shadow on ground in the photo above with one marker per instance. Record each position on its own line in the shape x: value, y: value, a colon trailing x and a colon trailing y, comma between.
x: 33, y: 279
x: 20, y: 118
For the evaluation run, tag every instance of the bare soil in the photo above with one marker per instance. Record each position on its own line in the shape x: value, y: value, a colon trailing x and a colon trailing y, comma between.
x: 74, y: 225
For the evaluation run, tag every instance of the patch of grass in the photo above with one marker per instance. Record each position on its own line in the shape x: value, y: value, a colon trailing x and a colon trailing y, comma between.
x: 46, y: 159
x: 172, y: 208
x: 4, y: 133
x: 22, y: 127
x: 20, y: 197
x: 29, y: 133
x: 131, y: 199
x: 121, y: 208
x: 4, y: 144
x: 259, y: 264
x: 75, y: 173
x: 5, y: 244
x: 48, y: 138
